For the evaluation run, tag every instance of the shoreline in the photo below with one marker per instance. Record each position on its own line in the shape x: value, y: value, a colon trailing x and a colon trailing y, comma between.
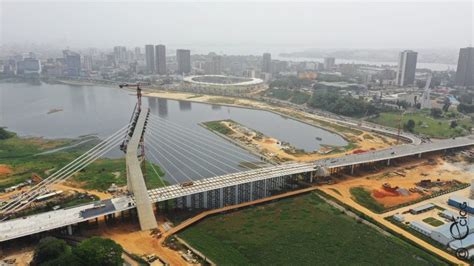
x: 347, y: 131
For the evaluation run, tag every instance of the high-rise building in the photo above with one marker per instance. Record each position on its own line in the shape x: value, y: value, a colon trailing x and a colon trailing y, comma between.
x: 267, y: 63
x: 183, y: 57
x: 329, y: 63
x: 87, y: 63
x: 120, y: 54
x: 150, y: 58
x: 465, y: 70
x: 214, y: 67
x: 138, y: 53
x: 160, y: 59
x: 72, y: 60
x: 406, y: 68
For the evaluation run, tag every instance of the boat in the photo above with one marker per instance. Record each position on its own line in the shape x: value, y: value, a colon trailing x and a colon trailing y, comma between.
x: 319, y: 138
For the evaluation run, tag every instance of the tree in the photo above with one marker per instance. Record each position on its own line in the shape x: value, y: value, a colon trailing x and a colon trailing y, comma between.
x: 4, y: 134
x: 410, y: 125
x: 99, y: 251
x: 48, y: 249
x: 436, y: 112
x: 453, y: 124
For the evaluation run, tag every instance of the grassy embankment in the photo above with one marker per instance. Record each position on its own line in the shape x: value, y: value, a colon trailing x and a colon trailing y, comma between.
x: 298, y: 231
x: 218, y: 126
x: 425, y: 124
x: 364, y: 198
x: 20, y: 154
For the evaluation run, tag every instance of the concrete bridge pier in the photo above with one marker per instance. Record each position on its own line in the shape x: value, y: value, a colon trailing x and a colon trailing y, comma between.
x: 388, y: 162
x: 135, y: 180
x: 69, y: 230
x: 419, y: 155
x: 352, y: 169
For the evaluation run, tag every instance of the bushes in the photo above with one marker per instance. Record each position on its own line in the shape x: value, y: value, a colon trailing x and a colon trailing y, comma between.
x: 339, y: 104
x: 4, y: 134
x: 93, y: 251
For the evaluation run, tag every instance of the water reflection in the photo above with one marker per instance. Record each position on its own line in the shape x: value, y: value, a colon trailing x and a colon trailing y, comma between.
x: 184, y: 105
x: 162, y: 107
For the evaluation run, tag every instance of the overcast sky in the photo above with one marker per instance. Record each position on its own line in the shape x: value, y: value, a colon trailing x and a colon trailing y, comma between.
x: 191, y: 24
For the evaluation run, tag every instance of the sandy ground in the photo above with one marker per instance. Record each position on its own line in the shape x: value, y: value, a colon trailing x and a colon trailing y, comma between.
x: 138, y: 242
x: 22, y: 257
x: 97, y: 193
x: 414, y: 172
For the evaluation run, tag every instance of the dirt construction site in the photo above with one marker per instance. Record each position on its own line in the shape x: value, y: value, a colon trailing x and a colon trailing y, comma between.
x: 406, y: 182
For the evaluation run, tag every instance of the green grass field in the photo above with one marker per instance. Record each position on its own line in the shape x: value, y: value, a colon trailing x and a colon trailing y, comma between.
x: 425, y: 124
x: 302, y: 230
x: 21, y: 155
x: 433, y: 221
x: 364, y: 198
x: 217, y: 126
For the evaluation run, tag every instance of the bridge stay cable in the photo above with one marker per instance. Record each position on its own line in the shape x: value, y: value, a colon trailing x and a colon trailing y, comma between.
x: 176, y: 158
x: 188, y: 138
x: 170, y: 162
x: 211, y: 145
x: 163, y: 166
x: 216, y: 141
x: 156, y: 172
x: 196, y: 134
x: 31, y: 196
x: 186, y: 151
x: 66, y: 171
x: 183, y: 143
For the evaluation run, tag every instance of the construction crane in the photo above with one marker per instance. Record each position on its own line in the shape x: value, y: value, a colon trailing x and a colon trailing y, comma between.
x: 139, y: 91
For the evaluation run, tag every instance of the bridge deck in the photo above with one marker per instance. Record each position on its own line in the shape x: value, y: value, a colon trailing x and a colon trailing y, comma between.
x: 33, y: 224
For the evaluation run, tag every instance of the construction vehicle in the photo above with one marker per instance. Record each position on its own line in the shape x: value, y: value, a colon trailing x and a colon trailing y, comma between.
x: 35, y: 178
x: 187, y: 184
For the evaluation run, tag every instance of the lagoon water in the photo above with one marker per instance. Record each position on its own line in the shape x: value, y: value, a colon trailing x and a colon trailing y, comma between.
x: 101, y: 111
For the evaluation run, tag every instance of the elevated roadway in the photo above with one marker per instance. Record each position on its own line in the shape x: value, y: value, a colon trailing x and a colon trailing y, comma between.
x: 33, y: 224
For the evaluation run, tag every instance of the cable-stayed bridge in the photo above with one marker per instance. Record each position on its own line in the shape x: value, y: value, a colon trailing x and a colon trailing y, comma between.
x: 185, y: 154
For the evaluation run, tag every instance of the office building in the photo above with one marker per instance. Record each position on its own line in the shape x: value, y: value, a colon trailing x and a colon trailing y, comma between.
x: 183, y: 58
x: 72, y: 61
x: 406, y: 68
x: 160, y: 59
x: 214, y: 67
x: 87, y: 63
x: 138, y: 53
x: 120, y: 54
x: 150, y: 58
x: 329, y: 63
x: 267, y: 63
x: 465, y: 70
x: 29, y: 67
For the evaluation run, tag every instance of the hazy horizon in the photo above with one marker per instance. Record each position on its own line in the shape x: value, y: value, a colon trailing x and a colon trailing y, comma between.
x: 263, y: 25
